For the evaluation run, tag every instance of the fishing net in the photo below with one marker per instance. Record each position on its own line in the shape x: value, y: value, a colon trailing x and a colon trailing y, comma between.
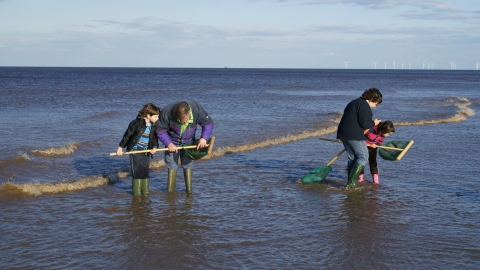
x: 316, y: 175
x: 390, y: 154
x: 193, y: 153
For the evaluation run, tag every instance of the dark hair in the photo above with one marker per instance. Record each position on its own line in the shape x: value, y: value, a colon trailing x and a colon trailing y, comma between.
x: 385, y: 127
x: 149, y: 108
x: 181, y: 110
x: 372, y: 95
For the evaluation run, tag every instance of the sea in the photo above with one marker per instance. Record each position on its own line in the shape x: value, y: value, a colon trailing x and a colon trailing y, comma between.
x: 66, y: 203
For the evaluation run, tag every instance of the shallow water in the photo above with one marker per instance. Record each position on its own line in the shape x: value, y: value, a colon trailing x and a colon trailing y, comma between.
x: 247, y: 210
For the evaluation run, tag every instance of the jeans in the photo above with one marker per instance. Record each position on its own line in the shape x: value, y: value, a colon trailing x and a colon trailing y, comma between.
x: 171, y: 160
x: 357, y: 152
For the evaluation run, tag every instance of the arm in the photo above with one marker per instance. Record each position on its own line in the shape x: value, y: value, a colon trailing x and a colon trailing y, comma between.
x: 365, y: 115
x: 206, y: 122
x: 127, y: 136
x: 161, y: 127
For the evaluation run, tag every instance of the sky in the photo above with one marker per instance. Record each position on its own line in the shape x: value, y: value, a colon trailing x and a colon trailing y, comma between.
x: 306, y: 34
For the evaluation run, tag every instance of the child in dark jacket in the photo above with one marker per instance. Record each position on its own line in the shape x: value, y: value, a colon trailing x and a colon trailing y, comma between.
x: 140, y: 135
x: 376, y: 136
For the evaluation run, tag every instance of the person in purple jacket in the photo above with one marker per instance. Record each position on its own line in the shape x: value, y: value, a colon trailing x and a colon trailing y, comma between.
x: 376, y: 136
x: 177, y: 126
x: 357, y: 117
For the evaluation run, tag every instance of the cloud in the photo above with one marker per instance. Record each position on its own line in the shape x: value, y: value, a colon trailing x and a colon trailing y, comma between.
x: 435, y: 15
x: 380, y: 4
x: 185, y: 30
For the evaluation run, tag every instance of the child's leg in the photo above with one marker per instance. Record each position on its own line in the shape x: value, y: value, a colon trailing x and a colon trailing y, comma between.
x: 144, y: 183
x: 139, y: 164
x: 372, y: 160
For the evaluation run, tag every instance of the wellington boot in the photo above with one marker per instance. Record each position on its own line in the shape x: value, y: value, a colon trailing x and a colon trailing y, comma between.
x: 354, y: 174
x: 375, y: 179
x: 172, y: 180
x: 188, y: 174
x: 136, y: 187
x: 349, y: 169
x: 361, y: 178
x: 144, y: 186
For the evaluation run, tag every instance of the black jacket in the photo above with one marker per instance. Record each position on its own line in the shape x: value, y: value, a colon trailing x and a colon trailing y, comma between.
x: 134, y: 133
x: 356, y: 118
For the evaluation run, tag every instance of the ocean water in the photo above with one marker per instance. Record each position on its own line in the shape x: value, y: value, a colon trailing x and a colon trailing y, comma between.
x: 67, y: 204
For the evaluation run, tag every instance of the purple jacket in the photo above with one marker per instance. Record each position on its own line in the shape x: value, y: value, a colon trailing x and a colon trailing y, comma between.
x: 168, y: 129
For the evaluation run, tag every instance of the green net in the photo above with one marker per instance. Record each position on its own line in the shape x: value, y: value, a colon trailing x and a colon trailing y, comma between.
x: 316, y: 175
x: 193, y: 153
x: 389, y: 154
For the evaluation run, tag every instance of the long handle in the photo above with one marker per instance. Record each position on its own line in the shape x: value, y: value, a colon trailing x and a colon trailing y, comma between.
x: 158, y: 150
x: 405, y: 150
x: 335, y: 158
x: 377, y: 146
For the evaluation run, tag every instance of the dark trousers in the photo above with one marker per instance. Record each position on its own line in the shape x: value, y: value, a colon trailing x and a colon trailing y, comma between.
x: 372, y: 160
x: 140, y: 165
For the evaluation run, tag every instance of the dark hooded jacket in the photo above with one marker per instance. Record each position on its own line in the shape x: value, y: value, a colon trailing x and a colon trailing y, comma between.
x: 357, y: 117
x: 134, y: 132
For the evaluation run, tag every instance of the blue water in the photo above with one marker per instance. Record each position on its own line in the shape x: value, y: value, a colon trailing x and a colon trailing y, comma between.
x: 247, y: 210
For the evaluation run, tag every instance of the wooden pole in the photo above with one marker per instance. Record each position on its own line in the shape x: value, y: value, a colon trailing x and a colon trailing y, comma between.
x: 209, y: 150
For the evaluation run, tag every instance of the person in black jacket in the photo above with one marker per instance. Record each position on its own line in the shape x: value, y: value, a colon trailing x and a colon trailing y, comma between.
x: 357, y: 117
x: 140, y: 135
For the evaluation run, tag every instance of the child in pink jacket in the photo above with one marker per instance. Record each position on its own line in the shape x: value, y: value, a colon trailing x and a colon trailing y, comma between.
x: 376, y: 136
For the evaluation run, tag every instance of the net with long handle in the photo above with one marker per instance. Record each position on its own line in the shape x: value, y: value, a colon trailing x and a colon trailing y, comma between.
x: 194, y: 153
x: 394, y: 150
x: 318, y: 174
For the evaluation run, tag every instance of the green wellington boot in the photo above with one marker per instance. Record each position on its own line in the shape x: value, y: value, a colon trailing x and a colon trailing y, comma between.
x: 188, y: 174
x: 356, y: 170
x: 136, y: 187
x: 172, y: 180
x: 144, y: 186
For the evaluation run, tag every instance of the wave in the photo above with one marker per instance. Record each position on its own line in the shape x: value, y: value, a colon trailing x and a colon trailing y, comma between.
x: 22, y: 157
x: 60, y: 187
x: 262, y: 144
x: 463, y: 112
x: 58, y: 151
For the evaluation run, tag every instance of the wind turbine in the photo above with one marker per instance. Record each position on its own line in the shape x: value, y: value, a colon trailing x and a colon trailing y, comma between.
x: 346, y: 65
x: 402, y: 64
x: 423, y: 65
x: 385, y: 65
x: 376, y: 65
x: 393, y: 64
x: 433, y: 64
x: 476, y: 66
x: 428, y: 65
x: 409, y: 65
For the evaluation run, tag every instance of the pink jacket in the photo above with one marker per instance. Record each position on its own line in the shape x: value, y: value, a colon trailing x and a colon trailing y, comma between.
x: 373, y: 137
